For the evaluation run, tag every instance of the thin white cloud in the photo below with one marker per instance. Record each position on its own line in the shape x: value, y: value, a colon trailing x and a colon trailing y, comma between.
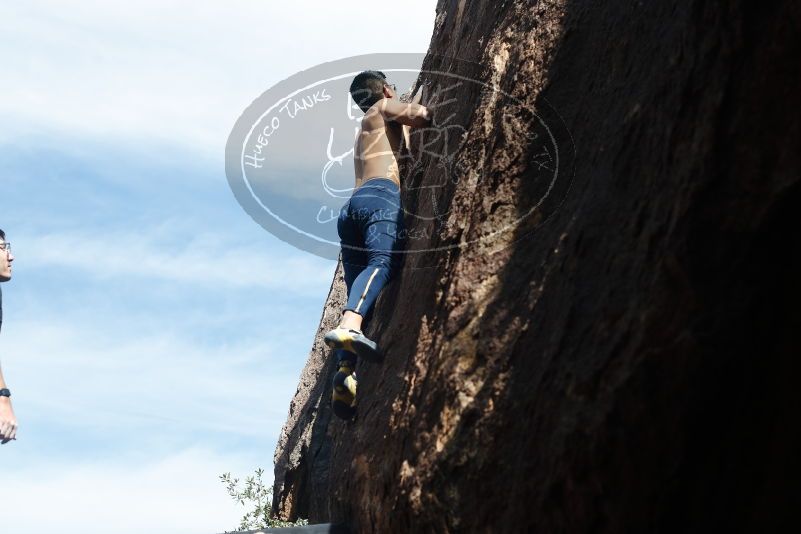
x: 202, y: 259
x: 182, y: 71
x: 124, y: 383
x: 176, y: 494
x: 139, y: 393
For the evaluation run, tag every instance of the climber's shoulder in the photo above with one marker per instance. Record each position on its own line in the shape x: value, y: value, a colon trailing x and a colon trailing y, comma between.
x: 373, y: 119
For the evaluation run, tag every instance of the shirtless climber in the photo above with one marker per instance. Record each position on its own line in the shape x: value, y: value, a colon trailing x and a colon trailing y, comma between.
x: 370, y: 224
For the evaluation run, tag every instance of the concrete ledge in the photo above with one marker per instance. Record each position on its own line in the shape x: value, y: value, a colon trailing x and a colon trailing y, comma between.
x: 322, y: 528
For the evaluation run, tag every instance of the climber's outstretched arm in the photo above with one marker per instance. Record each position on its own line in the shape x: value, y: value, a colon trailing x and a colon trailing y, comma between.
x: 418, y: 97
x: 408, y: 114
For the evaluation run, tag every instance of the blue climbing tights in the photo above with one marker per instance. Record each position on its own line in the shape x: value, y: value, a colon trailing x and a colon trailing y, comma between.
x: 371, y: 233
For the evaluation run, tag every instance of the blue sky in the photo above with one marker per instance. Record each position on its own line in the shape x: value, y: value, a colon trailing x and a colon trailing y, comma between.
x: 153, y: 334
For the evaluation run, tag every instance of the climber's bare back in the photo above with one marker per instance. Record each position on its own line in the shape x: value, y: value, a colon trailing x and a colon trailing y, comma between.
x: 375, y: 153
x: 378, y: 142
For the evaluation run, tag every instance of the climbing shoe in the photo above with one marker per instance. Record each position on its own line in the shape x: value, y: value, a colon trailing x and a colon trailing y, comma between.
x: 343, y: 400
x: 353, y: 341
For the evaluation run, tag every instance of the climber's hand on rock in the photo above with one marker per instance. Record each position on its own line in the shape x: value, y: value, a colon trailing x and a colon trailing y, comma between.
x: 418, y: 96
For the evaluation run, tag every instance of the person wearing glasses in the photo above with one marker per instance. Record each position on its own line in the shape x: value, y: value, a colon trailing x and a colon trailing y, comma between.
x: 370, y: 224
x: 8, y: 423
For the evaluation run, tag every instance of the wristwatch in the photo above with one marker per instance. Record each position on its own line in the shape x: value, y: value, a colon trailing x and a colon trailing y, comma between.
x: 5, y: 392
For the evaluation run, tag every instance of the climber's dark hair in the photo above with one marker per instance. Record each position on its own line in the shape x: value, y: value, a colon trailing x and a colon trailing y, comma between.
x: 2, y: 235
x: 367, y: 88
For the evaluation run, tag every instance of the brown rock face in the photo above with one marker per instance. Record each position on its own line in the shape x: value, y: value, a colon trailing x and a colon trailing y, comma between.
x: 624, y: 357
x: 304, y: 447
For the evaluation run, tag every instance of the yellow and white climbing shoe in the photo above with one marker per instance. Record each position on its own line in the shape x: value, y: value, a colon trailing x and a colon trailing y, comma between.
x: 343, y: 401
x: 353, y: 341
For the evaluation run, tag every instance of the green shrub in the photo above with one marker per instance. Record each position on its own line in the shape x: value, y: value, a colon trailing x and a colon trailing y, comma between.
x: 256, y: 498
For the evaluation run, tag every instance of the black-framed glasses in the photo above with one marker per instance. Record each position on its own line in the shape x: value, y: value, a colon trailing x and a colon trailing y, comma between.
x: 391, y: 85
x: 5, y: 246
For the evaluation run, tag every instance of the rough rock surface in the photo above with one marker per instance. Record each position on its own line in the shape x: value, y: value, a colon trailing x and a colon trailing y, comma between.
x: 304, y: 447
x: 628, y: 365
